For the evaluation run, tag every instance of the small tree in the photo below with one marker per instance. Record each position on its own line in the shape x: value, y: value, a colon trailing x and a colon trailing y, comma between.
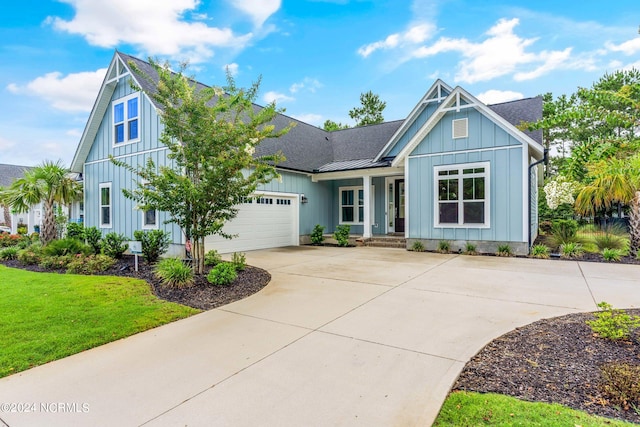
x: 211, y: 134
x: 330, y: 125
x: 370, y: 113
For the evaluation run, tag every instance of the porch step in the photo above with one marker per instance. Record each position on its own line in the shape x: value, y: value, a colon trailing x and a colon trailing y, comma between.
x: 386, y: 242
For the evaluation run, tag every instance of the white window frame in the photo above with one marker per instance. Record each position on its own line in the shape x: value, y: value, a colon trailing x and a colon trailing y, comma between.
x: 146, y: 226
x: 460, y: 176
x: 356, y: 205
x: 124, y: 101
x: 100, y: 205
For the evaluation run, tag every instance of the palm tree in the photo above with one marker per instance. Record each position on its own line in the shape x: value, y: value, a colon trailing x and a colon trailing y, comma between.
x: 614, y: 181
x: 48, y: 183
x: 4, y: 205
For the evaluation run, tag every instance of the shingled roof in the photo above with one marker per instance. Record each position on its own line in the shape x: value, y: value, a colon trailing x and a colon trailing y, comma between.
x: 9, y: 173
x: 522, y: 110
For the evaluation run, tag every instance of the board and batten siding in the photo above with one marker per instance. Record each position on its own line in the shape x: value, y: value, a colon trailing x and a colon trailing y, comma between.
x: 413, y: 129
x: 378, y: 220
x: 487, y: 142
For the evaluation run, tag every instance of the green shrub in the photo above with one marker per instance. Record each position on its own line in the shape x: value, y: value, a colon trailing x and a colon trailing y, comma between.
x: 317, y: 235
x: 611, y: 255
x: 173, y: 272
x: 64, y: 247
x: 7, y: 240
x: 540, y: 251
x: 571, y: 250
x: 212, y: 258
x: 504, y: 250
x: 444, y: 246
x: 93, y: 237
x: 9, y: 253
x: 417, y: 246
x: 31, y: 254
x: 22, y: 230
x: 154, y: 243
x: 620, y: 384
x: 239, y: 261
x: 563, y: 231
x: 75, y: 231
x: 89, y: 264
x: 55, y: 261
x: 222, y: 274
x: 613, y: 323
x: 470, y: 249
x: 609, y: 241
x: 114, y: 245
x: 342, y: 234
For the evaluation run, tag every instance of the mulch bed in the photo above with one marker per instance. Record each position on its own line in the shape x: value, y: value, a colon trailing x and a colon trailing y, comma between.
x: 553, y: 360
x: 201, y: 295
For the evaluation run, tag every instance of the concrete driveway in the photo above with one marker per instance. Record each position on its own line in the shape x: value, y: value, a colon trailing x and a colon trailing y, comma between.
x: 340, y: 337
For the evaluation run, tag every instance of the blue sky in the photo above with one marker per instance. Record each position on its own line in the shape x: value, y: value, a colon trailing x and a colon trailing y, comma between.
x: 315, y: 56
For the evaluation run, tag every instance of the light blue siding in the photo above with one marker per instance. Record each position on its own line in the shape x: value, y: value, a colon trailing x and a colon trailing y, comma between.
x: 533, y: 204
x: 487, y: 142
x: 413, y: 129
x: 379, y: 213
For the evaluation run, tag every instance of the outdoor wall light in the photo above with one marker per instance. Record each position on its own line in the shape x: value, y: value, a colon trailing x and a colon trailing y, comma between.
x: 303, y: 198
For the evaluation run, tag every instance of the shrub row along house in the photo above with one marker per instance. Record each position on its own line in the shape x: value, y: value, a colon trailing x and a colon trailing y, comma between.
x: 455, y: 169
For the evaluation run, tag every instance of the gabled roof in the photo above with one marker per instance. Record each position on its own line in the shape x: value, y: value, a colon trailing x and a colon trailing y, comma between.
x: 9, y: 173
x: 522, y: 110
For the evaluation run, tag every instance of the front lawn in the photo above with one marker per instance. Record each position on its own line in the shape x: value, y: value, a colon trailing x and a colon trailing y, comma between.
x: 476, y: 409
x: 48, y: 316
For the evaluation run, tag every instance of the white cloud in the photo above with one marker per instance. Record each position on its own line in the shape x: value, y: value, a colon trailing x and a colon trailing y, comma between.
x: 415, y: 34
x: 5, y: 144
x: 633, y: 65
x: 503, y: 52
x: 73, y: 92
x: 233, y: 68
x: 496, y: 96
x: 157, y: 27
x: 76, y: 133
x: 307, y: 83
x: 258, y: 10
x: 628, y: 48
x: 312, y: 119
x: 276, y: 97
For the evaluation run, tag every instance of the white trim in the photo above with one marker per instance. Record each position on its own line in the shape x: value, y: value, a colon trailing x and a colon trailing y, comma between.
x: 525, y: 197
x: 472, y: 150
x: 100, y: 205
x: 125, y: 120
x: 366, y: 195
x: 356, y: 205
x: 460, y: 177
x: 143, y: 215
x: 387, y: 204
x: 123, y: 156
x: 356, y: 173
x: 406, y: 198
x: 460, y: 122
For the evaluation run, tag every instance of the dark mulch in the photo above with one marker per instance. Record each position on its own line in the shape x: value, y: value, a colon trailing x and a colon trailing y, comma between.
x: 553, y: 360
x: 201, y: 295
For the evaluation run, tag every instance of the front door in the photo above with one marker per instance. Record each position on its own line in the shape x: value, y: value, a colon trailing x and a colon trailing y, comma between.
x: 399, y: 205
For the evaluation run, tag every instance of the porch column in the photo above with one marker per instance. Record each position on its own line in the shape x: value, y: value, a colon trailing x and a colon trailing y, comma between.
x: 366, y: 190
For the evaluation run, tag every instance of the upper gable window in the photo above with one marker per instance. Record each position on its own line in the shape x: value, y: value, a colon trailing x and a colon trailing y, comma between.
x: 126, y: 119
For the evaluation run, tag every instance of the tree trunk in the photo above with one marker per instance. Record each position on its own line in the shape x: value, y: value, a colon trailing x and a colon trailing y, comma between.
x: 201, y: 256
x: 634, y: 226
x: 7, y: 216
x: 48, y: 231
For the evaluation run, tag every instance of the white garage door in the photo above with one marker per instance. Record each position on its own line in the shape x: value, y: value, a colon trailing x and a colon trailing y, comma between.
x: 268, y: 221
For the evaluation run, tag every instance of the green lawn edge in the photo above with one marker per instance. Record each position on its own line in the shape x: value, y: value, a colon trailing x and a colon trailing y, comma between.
x: 49, y: 316
x: 462, y: 408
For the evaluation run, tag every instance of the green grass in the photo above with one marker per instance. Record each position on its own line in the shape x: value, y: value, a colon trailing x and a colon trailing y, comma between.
x: 45, y: 317
x: 476, y: 409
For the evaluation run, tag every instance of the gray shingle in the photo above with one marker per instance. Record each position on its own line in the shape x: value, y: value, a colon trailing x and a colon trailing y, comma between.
x: 522, y: 110
x: 9, y: 173
x: 363, y: 142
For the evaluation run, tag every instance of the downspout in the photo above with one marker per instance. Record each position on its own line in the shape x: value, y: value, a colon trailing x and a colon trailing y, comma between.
x: 545, y: 159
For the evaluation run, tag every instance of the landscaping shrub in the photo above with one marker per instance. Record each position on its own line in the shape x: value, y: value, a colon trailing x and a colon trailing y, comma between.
x: 75, y: 231
x: 611, y: 255
x: 239, y: 261
x: 56, y: 262
x: 173, y: 272
x: 114, y: 245
x: 620, y: 384
x: 317, y: 235
x: 563, y: 231
x: 470, y: 249
x: 93, y: 237
x: 212, y: 258
x: 540, y: 251
x: 22, y: 230
x: 9, y: 253
x: 504, y: 250
x: 67, y: 246
x: 154, y: 243
x: 89, y: 264
x: 222, y: 274
x: 609, y: 241
x: 613, y: 323
x: 571, y: 250
x: 31, y: 254
x: 342, y: 234
x: 7, y: 240
x: 444, y: 246
x: 417, y: 246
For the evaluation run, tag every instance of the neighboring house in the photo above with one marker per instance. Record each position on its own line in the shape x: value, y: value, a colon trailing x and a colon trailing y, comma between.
x: 31, y: 219
x: 455, y: 169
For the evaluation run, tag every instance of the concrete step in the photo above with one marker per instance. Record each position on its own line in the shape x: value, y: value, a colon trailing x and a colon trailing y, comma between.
x: 386, y: 242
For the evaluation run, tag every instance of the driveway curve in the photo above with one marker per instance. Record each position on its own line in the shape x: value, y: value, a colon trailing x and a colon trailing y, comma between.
x: 340, y: 337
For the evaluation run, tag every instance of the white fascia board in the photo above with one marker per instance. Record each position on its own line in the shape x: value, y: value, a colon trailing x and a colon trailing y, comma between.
x: 356, y: 173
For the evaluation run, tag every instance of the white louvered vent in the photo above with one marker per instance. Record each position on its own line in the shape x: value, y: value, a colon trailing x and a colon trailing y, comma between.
x: 460, y: 128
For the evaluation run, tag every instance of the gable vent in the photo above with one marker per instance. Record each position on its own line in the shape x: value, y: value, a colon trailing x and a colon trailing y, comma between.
x: 460, y: 128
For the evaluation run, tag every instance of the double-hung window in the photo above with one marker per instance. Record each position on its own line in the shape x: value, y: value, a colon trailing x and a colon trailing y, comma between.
x: 126, y: 119
x: 351, y: 205
x: 105, y: 205
x: 149, y: 217
x: 462, y: 195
